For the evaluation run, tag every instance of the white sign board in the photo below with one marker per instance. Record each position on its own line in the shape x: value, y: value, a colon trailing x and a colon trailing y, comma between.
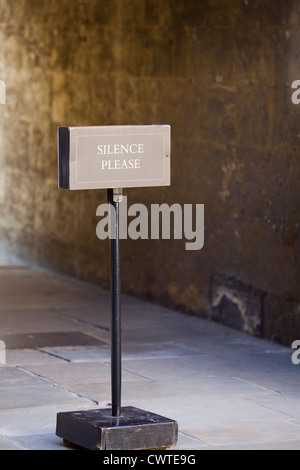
x: 114, y: 156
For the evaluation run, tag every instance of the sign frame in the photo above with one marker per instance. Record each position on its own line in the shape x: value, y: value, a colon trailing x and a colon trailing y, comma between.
x: 107, y: 157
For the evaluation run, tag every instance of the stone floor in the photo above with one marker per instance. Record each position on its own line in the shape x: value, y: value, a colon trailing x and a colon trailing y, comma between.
x: 226, y: 390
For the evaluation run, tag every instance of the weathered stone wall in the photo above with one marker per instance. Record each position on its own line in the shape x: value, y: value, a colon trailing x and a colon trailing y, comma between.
x: 220, y: 73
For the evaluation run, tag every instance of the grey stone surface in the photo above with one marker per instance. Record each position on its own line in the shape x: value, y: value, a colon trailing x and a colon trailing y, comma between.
x: 40, y: 442
x: 43, y: 394
x: 102, y: 353
x: 52, y: 339
x: 7, y: 444
x: 226, y: 389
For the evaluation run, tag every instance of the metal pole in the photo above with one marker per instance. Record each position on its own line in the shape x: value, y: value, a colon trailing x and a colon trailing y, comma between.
x: 114, y: 198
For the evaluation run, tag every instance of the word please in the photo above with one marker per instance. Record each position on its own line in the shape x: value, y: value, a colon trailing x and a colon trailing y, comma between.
x: 144, y: 226
x: 120, y: 164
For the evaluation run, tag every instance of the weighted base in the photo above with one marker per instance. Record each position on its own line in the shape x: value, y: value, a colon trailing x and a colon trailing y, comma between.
x: 134, y: 429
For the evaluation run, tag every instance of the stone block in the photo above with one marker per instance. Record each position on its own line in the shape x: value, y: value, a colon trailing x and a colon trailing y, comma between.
x: 134, y: 429
x: 237, y: 305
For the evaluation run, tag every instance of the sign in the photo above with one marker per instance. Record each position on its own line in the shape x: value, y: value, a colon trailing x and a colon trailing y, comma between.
x: 114, y: 156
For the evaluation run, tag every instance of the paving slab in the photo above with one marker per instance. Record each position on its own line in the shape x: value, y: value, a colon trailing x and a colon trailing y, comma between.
x: 38, y: 395
x: 21, y: 357
x: 52, y: 339
x: 7, y: 444
x: 39, y: 442
x: 102, y: 353
x: 35, y: 420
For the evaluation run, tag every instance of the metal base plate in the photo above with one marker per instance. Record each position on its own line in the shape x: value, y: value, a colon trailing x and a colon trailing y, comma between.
x: 134, y: 429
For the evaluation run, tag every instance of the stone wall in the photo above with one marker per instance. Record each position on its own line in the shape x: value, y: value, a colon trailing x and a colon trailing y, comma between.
x: 220, y: 73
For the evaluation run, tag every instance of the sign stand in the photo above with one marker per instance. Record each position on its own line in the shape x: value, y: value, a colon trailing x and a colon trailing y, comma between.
x: 118, y: 428
x: 114, y: 198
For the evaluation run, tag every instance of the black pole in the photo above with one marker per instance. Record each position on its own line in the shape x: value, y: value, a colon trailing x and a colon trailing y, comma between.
x: 114, y: 198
